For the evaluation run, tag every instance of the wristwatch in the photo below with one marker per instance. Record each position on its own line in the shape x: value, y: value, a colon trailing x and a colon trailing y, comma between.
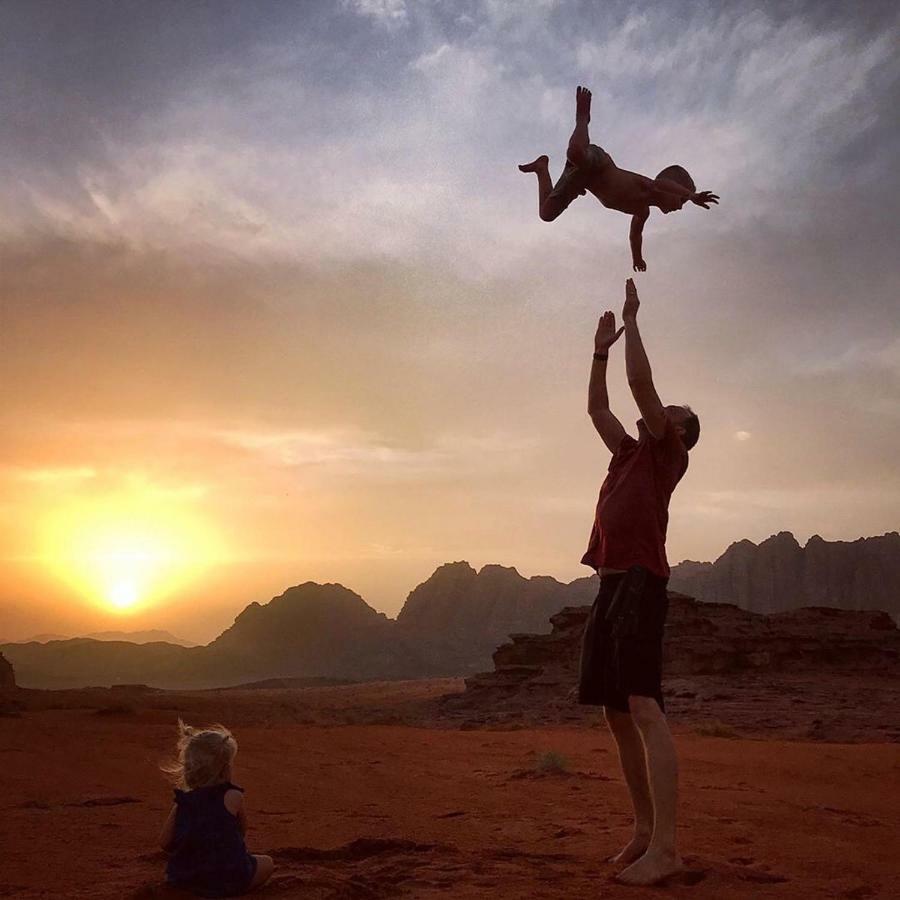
x: 602, y: 356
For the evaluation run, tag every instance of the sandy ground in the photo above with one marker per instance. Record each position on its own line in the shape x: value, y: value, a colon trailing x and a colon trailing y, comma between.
x: 383, y: 810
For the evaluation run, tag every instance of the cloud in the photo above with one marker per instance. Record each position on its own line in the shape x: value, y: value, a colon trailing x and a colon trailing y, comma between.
x: 388, y: 13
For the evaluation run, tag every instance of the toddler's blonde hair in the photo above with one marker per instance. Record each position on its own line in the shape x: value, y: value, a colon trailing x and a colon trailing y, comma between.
x: 204, y: 756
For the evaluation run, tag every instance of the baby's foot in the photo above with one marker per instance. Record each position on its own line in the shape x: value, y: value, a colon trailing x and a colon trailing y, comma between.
x: 582, y: 104
x: 540, y: 163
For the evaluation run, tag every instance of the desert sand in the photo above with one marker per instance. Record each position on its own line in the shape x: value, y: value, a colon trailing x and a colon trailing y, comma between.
x: 362, y: 791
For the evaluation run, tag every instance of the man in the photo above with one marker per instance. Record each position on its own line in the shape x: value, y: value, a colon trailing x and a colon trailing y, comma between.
x: 621, y: 658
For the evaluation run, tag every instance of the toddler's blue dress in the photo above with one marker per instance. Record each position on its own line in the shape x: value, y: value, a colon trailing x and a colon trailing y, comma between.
x: 208, y: 855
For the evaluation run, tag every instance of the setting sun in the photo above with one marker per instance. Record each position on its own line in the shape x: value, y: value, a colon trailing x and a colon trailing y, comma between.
x: 123, y: 595
x: 127, y: 551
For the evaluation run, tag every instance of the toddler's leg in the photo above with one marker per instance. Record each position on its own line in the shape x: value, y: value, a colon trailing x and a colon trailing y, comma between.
x: 265, y: 866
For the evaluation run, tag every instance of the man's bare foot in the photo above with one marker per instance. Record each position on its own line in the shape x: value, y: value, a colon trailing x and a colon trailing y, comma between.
x: 540, y: 163
x: 654, y: 866
x: 633, y: 850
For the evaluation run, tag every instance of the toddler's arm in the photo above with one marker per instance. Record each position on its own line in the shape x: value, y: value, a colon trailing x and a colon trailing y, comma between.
x: 168, y: 830
x: 234, y: 803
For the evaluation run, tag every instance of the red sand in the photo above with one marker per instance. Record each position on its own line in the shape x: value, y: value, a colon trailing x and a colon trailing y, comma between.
x: 445, y: 813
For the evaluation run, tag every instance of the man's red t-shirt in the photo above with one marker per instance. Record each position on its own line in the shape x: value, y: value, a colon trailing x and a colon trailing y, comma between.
x: 633, y: 509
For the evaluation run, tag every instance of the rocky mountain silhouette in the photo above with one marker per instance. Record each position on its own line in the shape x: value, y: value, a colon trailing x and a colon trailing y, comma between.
x: 779, y: 575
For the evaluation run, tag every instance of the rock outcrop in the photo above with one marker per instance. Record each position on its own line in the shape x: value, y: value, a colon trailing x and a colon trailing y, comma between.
x: 715, y: 639
x: 779, y: 574
x: 7, y: 675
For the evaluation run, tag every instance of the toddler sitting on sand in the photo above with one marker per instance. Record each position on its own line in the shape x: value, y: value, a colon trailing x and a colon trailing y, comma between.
x: 204, y: 833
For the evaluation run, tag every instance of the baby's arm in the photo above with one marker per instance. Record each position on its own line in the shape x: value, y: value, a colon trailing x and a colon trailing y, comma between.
x: 168, y: 830
x: 701, y: 198
x: 636, y: 237
x: 234, y: 803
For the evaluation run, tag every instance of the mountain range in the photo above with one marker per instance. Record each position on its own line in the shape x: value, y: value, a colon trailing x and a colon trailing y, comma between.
x: 452, y: 622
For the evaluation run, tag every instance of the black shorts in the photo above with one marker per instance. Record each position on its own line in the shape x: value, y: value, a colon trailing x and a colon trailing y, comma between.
x: 621, y: 651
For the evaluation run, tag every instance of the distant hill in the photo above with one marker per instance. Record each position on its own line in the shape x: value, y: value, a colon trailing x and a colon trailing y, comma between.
x: 779, y: 575
x: 45, y: 638
x: 134, y: 637
x: 140, y: 637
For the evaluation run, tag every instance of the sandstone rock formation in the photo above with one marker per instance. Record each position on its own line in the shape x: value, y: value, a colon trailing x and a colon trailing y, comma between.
x: 779, y: 574
x: 701, y: 639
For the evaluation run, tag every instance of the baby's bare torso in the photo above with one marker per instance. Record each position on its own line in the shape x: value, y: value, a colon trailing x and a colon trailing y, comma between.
x: 621, y: 190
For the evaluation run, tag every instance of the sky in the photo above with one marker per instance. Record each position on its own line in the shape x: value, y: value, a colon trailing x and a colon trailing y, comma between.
x: 276, y: 304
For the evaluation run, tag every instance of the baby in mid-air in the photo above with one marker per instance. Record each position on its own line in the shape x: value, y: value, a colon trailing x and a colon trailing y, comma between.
x: 591, y: 168
x: 204, y: 833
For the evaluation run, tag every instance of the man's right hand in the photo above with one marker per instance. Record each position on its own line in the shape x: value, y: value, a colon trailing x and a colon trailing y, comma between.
x: 639, y: 265
x: 632, y: 304
x: 582, y: 104
x: 606, y: 334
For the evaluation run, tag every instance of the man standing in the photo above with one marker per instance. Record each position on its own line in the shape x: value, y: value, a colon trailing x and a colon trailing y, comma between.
x: 621, y: 657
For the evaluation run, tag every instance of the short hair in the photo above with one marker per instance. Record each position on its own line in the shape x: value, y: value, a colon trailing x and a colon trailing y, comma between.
x: 691, y: 426
x: 679, y: 175
x: 204, y: 755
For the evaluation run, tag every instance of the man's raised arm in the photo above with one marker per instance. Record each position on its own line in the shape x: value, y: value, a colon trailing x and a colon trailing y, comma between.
x: 607, y: 425
x: 637, y: 367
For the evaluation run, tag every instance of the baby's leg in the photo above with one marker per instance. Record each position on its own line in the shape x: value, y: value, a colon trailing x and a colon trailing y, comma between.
x: 265, y: 866
x: 545, y: 185
x: 580, y: 141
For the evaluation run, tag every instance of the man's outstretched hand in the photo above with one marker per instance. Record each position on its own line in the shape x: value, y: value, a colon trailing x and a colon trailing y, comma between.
x: 632, y: 304
x: 704, y: 198
x: 582, y: 104
x: 606, y: 334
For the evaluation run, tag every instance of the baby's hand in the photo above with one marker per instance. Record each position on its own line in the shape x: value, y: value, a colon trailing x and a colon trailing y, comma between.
x: 704, y: 198
x: 639, y: 266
